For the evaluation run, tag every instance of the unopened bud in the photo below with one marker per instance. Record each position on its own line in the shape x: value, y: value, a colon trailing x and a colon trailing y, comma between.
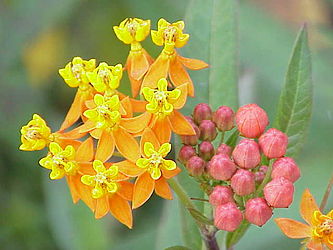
x: 220, y: 195
x: 286, y: 167
x: 273, y: 143
x: 195, y: 166
x: 261, y: 173
x: 251, y: 120
x: 247, y: 154
x: 206, y: 150
x: 224, y: 118
x: 224, y: 149
x: 228, y: 217
x: 221, y: 167
x: 207, y: 130
x: 191, y: 139
x: 279, y: 192
x: 202, y: 111
x: 185, y: 153
x: 243, y: 182
x: 257, y: 211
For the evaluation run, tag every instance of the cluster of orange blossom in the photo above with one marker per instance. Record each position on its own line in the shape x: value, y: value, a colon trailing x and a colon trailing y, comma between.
x: 99, y: 111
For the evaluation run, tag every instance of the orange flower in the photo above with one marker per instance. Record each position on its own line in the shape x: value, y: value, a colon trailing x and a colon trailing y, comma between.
x: 318, y: 231
x: 163, y: 105
x: 169, y: 62
x: 133, y: 31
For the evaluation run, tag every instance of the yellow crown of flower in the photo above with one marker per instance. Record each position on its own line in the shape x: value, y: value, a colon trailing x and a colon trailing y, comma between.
x: 74, y: 73
x: 60, y: 161
x: 132, y: 30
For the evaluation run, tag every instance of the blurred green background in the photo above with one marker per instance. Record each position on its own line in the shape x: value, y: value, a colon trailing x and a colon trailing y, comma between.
x: 37, y: 37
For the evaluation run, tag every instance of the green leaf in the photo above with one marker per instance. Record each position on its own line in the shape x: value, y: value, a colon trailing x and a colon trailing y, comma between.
x: 201, y: 218
x: 177, y: 248
x: 234, y: 237
x: 295, y: 104
x: 232, y: 139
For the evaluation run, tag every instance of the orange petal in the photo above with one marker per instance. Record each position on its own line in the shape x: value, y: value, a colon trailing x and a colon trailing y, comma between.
x: 182, y: 98
x: 143, y: 189
x: 162, y: 130
x: 179, y: 76
x: 121, y: 210
x: 86, y: 151
x: 90, y: 104
x: 63, y: 143
x: 315, y: 245
x: 159, y: 69
x: 126, y: 144
x: 138, y: 105
x: 194, y: 64
x: 168, y: 174
x: 136, y: 124
x: 87, y: 126
x: 74, y: 111
x: 139, y: 64
x: 135, y: 84
x: 149, y: 136
x: 84, y: 192
x: 180, y: 125
x: 308, y: 206
x: 129, y: 168
x: 86, y: 168
x: 96, y: 133
x: 72, y: 189
x: 102, y: 206
x: 127, y: 106
x: 162, y: 189
x: 149, y: 58
x: 73, y: 134
x: 293, y: 229
x: 105, y: 147
x: 126, y: 190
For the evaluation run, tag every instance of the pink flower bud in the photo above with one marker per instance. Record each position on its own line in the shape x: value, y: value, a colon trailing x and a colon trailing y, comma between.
x: 220, y: 195
x: 257, y: 211
x: 206, y: 150
x: 221, y: 167
x: 251, y: 120
x: 185, y: 153
x: 279, y: 192
x: 224, y: 149
x: 207, y: 130
x: 247, y: 154
x: 228, y: 217
x: 243, y: 182
x: 273, y: 143
x: 191, y: 139
x: 260, y: 174
x: 195, y: 166
x: 286, y: 167
x: 201, y: 112
x: 224, y: 118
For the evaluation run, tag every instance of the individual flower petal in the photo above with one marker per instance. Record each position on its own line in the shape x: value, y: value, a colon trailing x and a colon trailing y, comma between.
x: 55, y: 148
x: 308, y: 206
x: 162, y: 130
x: 168, y: 174
x: 148, y: 136
x: 85, y: 152
x: 74, y: 111
x: 102, y: 207
x: 105, y: 146
x: 162, y: 189
x: 129, y: 168
x: 143, y: 189
x: 98, y: 166
x: 169, y: 165
x: 148, y: 149
x: 126, y: 145
x: 125, y: 190
x: 121, y: 210
x: 293, y: 229
x: 164, y: 149
x: 180, y: 125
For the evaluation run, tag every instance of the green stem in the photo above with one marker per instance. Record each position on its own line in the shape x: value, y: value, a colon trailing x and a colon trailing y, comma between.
x: 179, y: 190
x: 199, y: 199
x: 266, y: 179
x: 222, y: 137
x: 326, y: 195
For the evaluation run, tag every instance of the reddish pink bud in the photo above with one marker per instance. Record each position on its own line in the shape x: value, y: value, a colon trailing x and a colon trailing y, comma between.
x: 195, y: 166
x: 279, y: 192
x: 224, y: 118
x: 221, y: 195
x: 260, y: 174
x: 247, y: 154
x: 257, y: 211
x: 251, y: 120
x: 206, y: 150
x: 207, y: 130
x: 286, y: 167
x: 201, y: 112
x: 224, y: 149
x: 228, y: 217
x: 185, y: 153
x: 221, y: 167
x: 243, y: 182
x: 191, y: 139
x: 273, y: 143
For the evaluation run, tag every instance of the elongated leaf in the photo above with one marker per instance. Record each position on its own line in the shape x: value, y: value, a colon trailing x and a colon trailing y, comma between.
x: 295, y: 104
x: 234, y: 237
x: 177, y: 248
x: 200, y: 217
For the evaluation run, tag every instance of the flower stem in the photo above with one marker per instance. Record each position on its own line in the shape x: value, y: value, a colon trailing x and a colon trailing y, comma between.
x: 327, y: 194
x: 199, y: 199
x: 266, y: 179
x: 222, y: 137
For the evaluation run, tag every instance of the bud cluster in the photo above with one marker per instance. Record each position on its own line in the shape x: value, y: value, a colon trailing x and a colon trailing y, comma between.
x: 244, y: 180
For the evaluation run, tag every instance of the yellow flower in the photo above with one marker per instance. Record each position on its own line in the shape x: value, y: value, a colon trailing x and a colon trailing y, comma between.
x: 169, y: 35
x: 35, y: 135
x: 322, y: 227
x: 104, y: 181
x: 106, y: 78
x: 106, y: 115
x: 132, y: 30
x: 74, y: 73
x: 60, y: 161
x: 154, y: 161
x: 160, y: 100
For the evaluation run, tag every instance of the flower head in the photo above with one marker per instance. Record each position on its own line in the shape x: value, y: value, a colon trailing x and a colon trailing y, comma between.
x: 132, y: 30
x: 74, y: 73
x: 60, y: 161
x: 35, y: 135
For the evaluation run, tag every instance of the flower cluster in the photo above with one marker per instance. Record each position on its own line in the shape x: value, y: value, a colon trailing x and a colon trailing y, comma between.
x: 136, y: 130
x: 244, y: 180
